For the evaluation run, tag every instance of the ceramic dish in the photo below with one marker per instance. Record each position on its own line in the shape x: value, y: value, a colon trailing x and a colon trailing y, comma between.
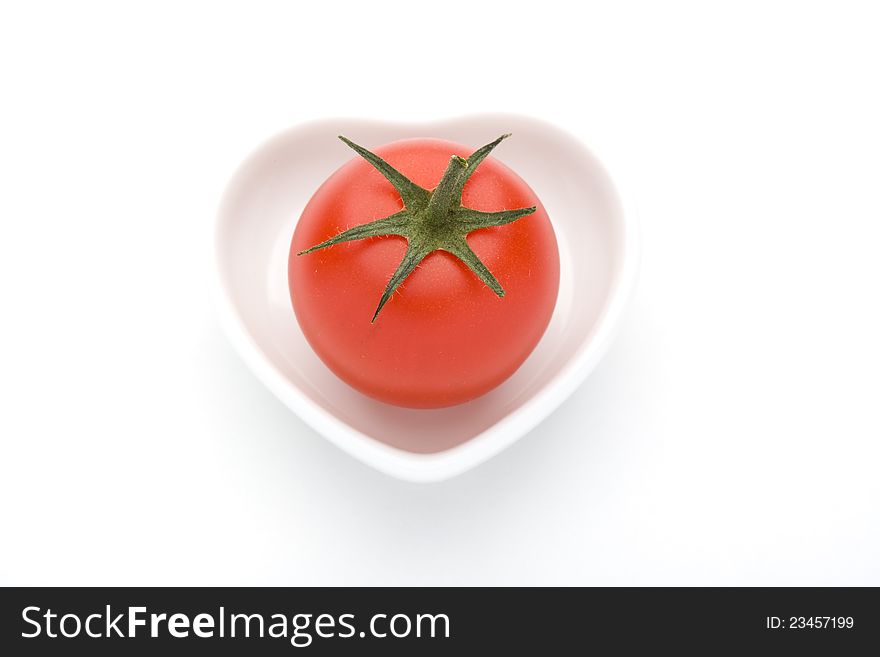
x: 598, y: 260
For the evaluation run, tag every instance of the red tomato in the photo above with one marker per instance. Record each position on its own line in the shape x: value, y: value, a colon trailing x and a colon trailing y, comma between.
x: 444, y: 337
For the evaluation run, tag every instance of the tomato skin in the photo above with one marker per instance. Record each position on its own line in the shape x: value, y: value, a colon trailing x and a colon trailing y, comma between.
x: 444, y: 337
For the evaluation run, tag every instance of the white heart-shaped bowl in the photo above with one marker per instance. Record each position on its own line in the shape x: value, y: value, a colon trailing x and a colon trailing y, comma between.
x: 598, y: 258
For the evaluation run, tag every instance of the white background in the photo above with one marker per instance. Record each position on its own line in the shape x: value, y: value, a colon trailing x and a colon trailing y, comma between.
x: 729, y: 437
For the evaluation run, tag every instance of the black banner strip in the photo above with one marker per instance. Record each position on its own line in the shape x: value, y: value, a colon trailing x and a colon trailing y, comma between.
x: 444, y: 621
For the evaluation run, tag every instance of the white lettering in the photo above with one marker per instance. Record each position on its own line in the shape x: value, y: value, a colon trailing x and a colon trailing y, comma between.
x: 77, y: 624
x: 203, y: 626
x: 373, y: 626
x: 408, y: 625
x: 155, y: 619
x: 112, y: 626
x: 24, y: 616
x: 134, y: 621
x: 298, y: 634
x: 89, y: 626
x: 178, y: 625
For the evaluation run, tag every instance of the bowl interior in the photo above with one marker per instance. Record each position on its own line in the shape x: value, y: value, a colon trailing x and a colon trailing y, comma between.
x: 264, y: 202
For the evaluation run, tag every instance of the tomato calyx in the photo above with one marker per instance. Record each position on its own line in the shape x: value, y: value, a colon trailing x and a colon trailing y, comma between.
x: 430, y: 220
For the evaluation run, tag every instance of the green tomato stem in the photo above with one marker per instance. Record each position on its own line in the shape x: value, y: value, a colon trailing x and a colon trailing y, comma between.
x: 430, y: 220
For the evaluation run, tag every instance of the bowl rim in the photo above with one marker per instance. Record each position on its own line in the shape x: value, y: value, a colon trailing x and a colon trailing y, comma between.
x: 435, y: 466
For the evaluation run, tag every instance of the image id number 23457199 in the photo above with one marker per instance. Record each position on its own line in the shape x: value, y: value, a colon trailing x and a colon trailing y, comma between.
x: 809, y: 623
